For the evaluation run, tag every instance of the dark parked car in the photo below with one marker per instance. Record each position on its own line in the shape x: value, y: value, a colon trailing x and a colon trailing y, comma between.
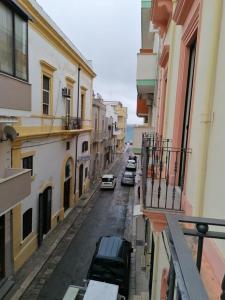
x: 128, y: 178
x: 111, y: 262
x: 133, y: 157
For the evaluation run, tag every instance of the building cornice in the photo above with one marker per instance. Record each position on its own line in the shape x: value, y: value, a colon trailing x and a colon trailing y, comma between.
x: 64, y: 133
x: 41, y: 25
x: 181, y: 11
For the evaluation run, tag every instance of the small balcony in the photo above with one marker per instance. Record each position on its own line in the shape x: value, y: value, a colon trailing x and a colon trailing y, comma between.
x: 146, y: 73
x: 11, y: 89
x: 184, y: 238
x: 71, y: 123
x: 142, y: 108
x: 163, y: 171
x: 15, y: 185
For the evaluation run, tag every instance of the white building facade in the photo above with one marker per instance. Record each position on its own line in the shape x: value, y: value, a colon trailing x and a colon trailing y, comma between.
x: 53, y: 133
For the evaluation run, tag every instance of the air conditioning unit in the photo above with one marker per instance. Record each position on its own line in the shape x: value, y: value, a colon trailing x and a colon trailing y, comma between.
x: 66, y: 93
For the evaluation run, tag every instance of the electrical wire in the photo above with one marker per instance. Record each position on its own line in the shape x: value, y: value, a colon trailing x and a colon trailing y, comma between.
x: 40, y: 144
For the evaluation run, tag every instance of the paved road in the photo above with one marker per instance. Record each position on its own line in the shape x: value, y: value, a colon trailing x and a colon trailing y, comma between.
x: 108, y: 212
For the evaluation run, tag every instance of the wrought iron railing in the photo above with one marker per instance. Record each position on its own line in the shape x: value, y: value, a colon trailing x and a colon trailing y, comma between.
x: 163, y: 171
x: 70, y: 123
x: 184, y: 279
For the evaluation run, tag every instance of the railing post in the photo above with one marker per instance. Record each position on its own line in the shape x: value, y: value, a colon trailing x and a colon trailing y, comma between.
x: 202, y: 229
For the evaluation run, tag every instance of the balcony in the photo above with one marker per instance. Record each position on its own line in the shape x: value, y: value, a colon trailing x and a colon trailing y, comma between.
x: 142, y: 108
x: 146, y: 73
x: 71, y: 123
x: 163, y: 170
x: 184, y: 238
x: 15, y: 185
x: 11, y: 89
x: 161, y: 14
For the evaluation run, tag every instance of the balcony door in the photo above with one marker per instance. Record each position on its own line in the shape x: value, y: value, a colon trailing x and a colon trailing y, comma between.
x: 2, y: 247
x: 187, y: 111
x: 81, y: 175
x: 45, y: 207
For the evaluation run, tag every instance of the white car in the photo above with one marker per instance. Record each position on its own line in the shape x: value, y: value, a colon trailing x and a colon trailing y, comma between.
x: 108, y: 181
x: 131, y: 165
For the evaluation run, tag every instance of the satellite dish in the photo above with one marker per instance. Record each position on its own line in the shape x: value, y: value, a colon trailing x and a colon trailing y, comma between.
x: 10, y: 133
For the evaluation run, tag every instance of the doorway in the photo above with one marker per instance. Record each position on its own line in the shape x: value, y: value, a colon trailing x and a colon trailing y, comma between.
x: 81, y: 175
x: 67, y: 185
x: 187, y: 111
x: 45, y: 208
x: 2, y: 247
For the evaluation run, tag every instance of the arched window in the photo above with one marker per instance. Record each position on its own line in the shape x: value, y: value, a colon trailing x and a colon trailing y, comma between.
x: 68, y: 169
x: 27, y: 223
x: 85, y: 146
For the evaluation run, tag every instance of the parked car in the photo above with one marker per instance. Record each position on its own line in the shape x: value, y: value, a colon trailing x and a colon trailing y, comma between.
x: 111, y: 262
x: 133, y: 157
x: 128, y: 178
x: 94, y: 290
x: 131, y: 166
x: 108, y: 181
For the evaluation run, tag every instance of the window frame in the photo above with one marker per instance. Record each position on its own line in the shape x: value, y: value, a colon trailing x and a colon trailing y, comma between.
x: 49, y: 95
x: 16, y: 11
x: 47, y: 70
x: 85, y: 146
x: 28, y: 157
x: 30, y: 227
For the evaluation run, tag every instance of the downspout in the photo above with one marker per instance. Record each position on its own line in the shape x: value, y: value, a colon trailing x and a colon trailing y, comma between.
x: 77, y: 137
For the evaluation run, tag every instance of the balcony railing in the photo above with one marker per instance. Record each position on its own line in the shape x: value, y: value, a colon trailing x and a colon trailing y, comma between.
x: 71, y: 123
x: 163, y: 170
x: 184, y: 281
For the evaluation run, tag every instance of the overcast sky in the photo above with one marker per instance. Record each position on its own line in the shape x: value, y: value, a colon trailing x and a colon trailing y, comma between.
x: 108, y: 33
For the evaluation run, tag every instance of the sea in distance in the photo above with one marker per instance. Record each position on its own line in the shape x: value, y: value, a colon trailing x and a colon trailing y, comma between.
x: 129, y: 133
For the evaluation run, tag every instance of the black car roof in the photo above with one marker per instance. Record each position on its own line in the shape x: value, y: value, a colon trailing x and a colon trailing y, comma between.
x: 111, y: 247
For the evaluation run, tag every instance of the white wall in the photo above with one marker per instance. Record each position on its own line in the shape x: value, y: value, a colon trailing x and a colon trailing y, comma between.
x: 47, y: 167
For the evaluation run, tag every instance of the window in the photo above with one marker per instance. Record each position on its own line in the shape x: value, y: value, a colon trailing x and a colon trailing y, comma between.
x: 86, y: 172
x: 68, y: 104
x: 46, y: 95
x: 84, y: 146
x: 28, y: 163
x: 27, y: 223
x: 13, y: 43
x: 67, y: 145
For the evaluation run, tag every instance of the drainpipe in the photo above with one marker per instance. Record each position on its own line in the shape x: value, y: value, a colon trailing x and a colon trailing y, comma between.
x: 77, y: 137
x: 207, y: 113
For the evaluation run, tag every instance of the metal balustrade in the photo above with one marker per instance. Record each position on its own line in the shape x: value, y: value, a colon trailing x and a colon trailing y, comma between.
x: 71, y: 123
x: 163, y: 171
x: 184, y: 278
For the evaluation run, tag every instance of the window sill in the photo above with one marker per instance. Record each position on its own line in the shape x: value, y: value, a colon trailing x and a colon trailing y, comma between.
x: 27, y: 239
x: 14, y: 77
